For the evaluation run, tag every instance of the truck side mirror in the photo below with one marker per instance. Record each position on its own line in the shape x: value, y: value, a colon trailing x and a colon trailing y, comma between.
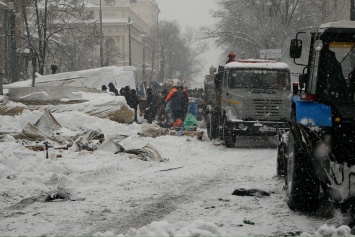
x: 218, y: 80
x: 295, y: 48
x: 295, y: 88
x: 220, y: 68
x: 302, y: 79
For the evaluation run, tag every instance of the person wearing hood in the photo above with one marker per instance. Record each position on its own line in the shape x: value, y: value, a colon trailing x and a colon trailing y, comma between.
x: 112, y: 88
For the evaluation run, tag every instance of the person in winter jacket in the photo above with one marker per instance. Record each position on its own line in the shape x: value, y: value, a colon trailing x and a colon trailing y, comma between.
x: 179, y: 102
x: 112, y: 89
x: 126, y: 92
x: 134, y: 104
x: 150, y: 110
x: 231, y: 57
x: 162, y: 116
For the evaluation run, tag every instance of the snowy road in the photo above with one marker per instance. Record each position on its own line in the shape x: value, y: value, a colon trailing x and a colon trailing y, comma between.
x: 196, y: 183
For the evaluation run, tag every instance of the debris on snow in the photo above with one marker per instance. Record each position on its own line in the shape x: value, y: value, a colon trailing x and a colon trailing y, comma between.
x: 153, y: 130
x: 250, y: 192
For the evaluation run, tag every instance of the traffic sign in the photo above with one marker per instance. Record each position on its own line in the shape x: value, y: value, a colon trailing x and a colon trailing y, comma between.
x: 270, y: 53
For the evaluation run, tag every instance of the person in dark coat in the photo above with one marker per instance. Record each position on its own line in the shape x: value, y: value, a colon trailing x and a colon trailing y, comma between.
x: 179, y: 99
x: 112, y: 88
x: 161, y: 104
x: 134, y: 104
x: 128, y: 96
x: 104, y: 88
x: 150, y: 109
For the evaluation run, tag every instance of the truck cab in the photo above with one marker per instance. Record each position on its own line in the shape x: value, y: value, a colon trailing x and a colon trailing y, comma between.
x: 254, y: 99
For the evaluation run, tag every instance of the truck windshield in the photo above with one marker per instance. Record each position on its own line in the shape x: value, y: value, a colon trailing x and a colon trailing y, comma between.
x: 338, y: 70
x: 259, y: 78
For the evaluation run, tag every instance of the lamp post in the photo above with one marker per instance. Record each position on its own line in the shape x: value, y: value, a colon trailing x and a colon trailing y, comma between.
x: 129, y: 42
x: 101, y: 39
x: 143, y: 65
x: 352, y: 10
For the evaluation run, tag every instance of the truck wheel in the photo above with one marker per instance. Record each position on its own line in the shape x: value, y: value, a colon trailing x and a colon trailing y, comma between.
x: 302, y: 187
x: 281, y: 156
x: 229, y: 138
x: 212, y: 126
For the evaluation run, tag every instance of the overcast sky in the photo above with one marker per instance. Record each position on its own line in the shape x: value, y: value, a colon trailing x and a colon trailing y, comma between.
x: 194, y: 13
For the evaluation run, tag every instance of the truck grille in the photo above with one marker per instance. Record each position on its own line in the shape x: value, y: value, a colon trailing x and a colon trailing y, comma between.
x: 266, y: 108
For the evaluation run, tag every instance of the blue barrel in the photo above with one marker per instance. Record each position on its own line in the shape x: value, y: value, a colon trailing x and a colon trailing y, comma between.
x: 193, y: 108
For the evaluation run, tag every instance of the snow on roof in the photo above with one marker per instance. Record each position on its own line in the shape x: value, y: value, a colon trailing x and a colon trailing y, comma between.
x: 257, y: 63
x: 92, y: 78
x: 339, y: 24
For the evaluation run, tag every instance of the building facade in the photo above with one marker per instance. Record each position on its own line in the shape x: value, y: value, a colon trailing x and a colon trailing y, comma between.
x: 129, y: 35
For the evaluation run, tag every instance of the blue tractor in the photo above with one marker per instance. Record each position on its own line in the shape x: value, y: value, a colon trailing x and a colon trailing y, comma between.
x: 316, y: 153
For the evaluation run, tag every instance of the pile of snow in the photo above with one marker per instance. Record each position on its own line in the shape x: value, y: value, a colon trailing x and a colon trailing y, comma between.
x: 163, y: 228
x: 92, y: 78
x: 326, y: 230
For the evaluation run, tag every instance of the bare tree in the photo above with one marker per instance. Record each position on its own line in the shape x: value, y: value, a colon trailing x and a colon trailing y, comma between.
x: 179, y: 51
x: 251, y: 25
x: 50, y: 25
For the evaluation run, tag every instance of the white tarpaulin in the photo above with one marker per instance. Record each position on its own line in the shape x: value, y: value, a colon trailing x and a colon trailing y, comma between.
x: 92, y: 78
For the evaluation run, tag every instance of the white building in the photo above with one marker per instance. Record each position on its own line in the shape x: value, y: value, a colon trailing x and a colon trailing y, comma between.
x: 125, y: 21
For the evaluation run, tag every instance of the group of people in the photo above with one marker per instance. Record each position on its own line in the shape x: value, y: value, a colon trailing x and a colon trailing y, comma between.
x: 170, y: 108
x: 129, y: 94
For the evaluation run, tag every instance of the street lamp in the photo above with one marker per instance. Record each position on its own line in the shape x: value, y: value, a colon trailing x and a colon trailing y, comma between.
x: 101, y: 39
x: 143, y: 65
x: 129, y: 23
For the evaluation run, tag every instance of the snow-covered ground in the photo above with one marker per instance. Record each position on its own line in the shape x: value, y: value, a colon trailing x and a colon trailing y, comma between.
x: 189, y: 194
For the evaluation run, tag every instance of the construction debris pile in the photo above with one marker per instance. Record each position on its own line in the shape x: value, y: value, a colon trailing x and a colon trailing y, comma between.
x: 45, y: 135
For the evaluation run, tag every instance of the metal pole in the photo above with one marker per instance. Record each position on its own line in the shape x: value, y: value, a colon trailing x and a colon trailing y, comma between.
x: 101, y: 40
x: 129, y: 42
x: 144, y: 58
x: 352, y: 10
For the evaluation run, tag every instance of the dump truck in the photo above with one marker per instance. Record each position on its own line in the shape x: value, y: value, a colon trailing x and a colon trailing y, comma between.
x: 252, y: 98
x: 316, y: 152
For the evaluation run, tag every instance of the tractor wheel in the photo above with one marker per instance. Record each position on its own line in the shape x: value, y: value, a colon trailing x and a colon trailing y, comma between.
x: 302, y: 187
x: 228, y: 137
x: 212, y: 126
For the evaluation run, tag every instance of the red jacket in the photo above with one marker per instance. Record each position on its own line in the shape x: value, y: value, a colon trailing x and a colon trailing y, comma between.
x: 172, y: 91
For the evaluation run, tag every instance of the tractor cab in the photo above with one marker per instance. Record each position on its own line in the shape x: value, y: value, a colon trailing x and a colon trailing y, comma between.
x: 330, y: 73
x: 327, y: 97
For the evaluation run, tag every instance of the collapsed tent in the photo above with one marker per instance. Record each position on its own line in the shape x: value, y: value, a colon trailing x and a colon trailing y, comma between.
x: 44, y: 134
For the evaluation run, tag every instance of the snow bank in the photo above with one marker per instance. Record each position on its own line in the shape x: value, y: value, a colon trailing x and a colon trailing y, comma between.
x: 326, y: 230
x: 163, y: 228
